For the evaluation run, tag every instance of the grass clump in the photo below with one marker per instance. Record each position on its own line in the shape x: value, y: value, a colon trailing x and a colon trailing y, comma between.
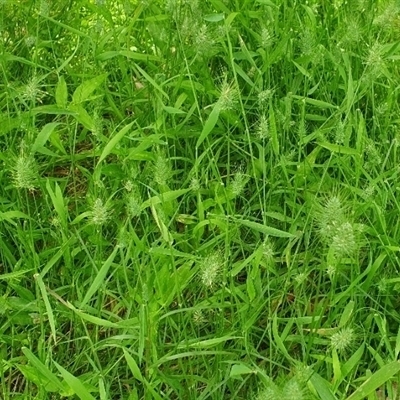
x: 199, y: 200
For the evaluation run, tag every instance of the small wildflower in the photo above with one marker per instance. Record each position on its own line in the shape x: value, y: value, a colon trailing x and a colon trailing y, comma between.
x: 343, y: 339
x: 368, y: 192
x: 99, y: 214
x: 330, y: 218
x: 210, y: 269
x: 97, y: 128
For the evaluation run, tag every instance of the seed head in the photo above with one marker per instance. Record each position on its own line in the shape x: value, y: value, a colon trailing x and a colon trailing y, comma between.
x: 263, y: 128
x: 210, y: 269
x: 344, y: 241
x: 162, y: 169
x: 341, y: 340
x: 99, y: 214
x: 271, y: 392
x: 292, y: 390
x: 228, y: 97
x: 24, y: 172
x: 134, y: 204
x: 238, y: 183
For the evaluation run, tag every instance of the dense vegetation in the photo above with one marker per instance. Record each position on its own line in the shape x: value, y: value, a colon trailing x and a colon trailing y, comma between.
x: 199, y: 199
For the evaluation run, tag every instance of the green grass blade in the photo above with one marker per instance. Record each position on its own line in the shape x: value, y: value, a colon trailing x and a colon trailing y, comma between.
x: 42, y: 369
x: 49, y: 310
x: 114, y: 140
x: 209, y: 125
x: 74, y: 383
x: 378, y: 379
x: 100, y: 277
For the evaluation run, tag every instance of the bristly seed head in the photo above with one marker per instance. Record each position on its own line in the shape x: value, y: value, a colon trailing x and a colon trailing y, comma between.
x: 210, y: 269
x: 24, y: 172
x: 99, y: 214
x: 343, y: 339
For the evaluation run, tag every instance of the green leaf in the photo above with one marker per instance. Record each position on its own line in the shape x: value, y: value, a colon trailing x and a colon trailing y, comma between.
x: 84, y: 90
x: 209, y: 125
x: 266, y: 230
x: 58, y: 202
x: 49, y: 310
x: 322, y: 387
x: 378, y: 379
x: 335, y: 148
x: 107, y: 55
x: 61, y: 93
x: 42, y: 369
x: 347, y: 313
x: 316, y: 103
x: 133, y: 366
x: 99, y: 280
x: 151, y: 81
x: 75, y: 384
x: 273, y: 130
x: 214, y: 17
x: 114, y: 140
x: 240, y: 369
x: 43, y: 136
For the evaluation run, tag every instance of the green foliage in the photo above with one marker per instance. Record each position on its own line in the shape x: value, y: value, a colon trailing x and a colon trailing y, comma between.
x: 199, y: 199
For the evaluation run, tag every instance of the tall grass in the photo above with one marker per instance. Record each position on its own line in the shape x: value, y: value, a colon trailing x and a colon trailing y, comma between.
x: 199, y: 199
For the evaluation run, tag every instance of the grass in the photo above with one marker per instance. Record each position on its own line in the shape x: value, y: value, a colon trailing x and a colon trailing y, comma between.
x: 199, y: 199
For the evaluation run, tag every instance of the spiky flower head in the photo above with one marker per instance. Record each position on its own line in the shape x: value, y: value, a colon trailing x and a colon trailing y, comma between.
x: 162, y: 169
x: 210, y: 269
x: 268, y: 250
x: 228, y: 97
x: 239, y: 182
x: 262, y: 131
x: 330, y: 217
x: 24, y: 172
x: 134, y: 204
x: 267, y: 37
x: 99, y: 214
x: 270, y: 392
x: 292, y: 390
x: 344, y: 241
x: 342, y: 340
x: 31, y: 91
